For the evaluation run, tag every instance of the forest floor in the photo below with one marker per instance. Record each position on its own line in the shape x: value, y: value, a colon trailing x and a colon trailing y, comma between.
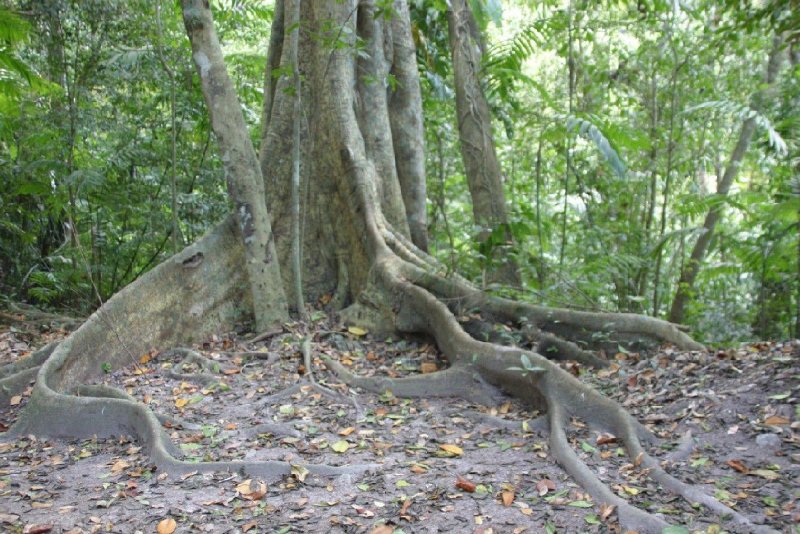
x: 443, y: 465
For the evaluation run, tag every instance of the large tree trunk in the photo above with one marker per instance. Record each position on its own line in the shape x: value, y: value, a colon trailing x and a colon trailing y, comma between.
x: 692, y: 268
x: 356, y: 229
x: 245, y: 184
x: 484, y: 175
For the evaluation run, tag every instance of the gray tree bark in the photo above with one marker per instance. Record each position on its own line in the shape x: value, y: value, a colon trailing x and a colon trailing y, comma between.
x: 242, y: 172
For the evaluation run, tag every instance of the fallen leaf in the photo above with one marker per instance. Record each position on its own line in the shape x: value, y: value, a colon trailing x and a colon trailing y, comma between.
x: 144, y: 358
x: 545, y: 485
x: 504, y: 408
x: 36, y: 529
x: 299, y: 472
x: 606, y: 510
x: 765, y: 473
x: 340, y: 446
x: 418, y: 469
x: 247, y: 491
x: 347, y: 431
x: 738, y: 465
x: 605, y: 438
x: 630, y: 490
x: 233, y: 371
x: 507, y: 498
x: 428, y: 367
x: 166, y: 526
x: 466, y: 485
x: 638, y: 460
x: 181, y: 402
x: 406, y: 506
x: 16, y: 399
x: 455, y: 450
x: 776, y: 420
x: 382, y: 529
x: 119, y: 465
x: 249, y: 526
x: 356, y: 331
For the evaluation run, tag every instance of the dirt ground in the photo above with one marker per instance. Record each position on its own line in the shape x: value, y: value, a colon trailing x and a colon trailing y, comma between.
x: 438, y: 465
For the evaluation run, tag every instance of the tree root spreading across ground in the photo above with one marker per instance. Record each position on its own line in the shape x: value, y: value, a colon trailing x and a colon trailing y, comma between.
x: 63, y: 406
x: 399, y: 435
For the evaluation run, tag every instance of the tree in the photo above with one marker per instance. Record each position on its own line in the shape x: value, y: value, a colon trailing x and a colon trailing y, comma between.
x: 359, y: 250
x: 481, y: 165
x: 692, y: 267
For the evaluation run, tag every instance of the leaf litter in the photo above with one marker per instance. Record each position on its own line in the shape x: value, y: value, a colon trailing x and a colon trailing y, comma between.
x: 728, y: 420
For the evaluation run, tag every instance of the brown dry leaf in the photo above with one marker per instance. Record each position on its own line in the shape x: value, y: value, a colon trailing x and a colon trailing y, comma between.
x: 507, y: 498
x: 40, y: 505
x: 145, y: 358
x: 605, y: 438
x: 166, y: 526
x: 119, y: 465
x: 36, y: 529
x: 247, y: 491
x: 504, y: 408
x: 232, y: 371
x: 230, y: 426
x: 638, y: 460
x: 452, y: 449
x: 464, y: 484
x: 347, y: 431
x: 738, y: 465
x: 776, y: 420
x: 406, y: 506
x: 606, y: 510
x: 181, y: 402
x: 382, y: 529
x: 418, y: 469
x: 545, y: 485
x: 249, y: 526
x: 428, y: 367
x: 16, y: 399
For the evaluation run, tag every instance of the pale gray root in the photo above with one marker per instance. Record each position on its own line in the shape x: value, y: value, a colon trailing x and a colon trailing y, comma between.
x: 630, y: 517
x: 27, y: 362
x: 683, y: 450
x: 305, y: 347
x: 276, y: 429
x: 15, y: 384
x: 538, y: 425
x: 177, y: 303
x: 453, y: 382
x: 543, y: 384
x: 18, y: 375
x: 192, y: 357
x: 461, y: 295
x: 110, y: 392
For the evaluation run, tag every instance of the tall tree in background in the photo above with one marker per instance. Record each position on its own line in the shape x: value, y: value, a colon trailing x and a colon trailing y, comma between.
x: 692, y: 267
x: 481, y: 165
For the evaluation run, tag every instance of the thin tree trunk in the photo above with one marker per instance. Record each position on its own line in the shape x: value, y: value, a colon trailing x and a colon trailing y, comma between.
x: 692, y: 268
x: 477, y: 142
x: 245, y: 184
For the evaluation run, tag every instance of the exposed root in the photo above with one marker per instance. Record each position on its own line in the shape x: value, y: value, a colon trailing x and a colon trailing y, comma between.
x: 452, y: 382
x: 191, y: 357
x: 276, y: 429
x: 17, y: 376
x: 683, y: 450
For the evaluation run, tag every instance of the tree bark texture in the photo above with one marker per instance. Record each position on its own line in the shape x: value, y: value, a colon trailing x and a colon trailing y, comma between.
x: 484, y: 175
x: 245, y: 184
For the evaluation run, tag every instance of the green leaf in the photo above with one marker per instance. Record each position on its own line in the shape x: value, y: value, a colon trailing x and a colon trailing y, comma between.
x: 675, y: 529
x: 340, y: 446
